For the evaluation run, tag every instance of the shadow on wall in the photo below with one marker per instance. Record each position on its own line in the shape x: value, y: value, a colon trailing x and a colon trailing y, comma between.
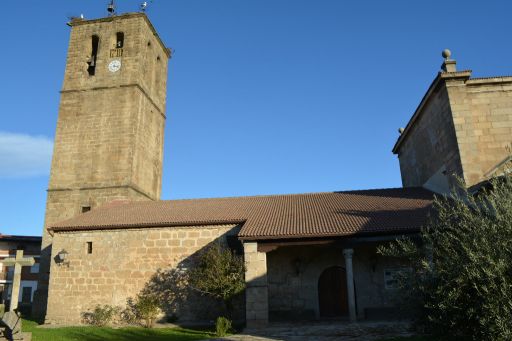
x: 40, y: 300
x: 372, y: 221
x: 181, y: 303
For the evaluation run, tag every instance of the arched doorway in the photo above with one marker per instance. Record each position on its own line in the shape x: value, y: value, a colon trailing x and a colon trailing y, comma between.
x: 332, y: 292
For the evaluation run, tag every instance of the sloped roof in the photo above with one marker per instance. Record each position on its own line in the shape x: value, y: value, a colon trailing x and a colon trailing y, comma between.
x: 392, y: 210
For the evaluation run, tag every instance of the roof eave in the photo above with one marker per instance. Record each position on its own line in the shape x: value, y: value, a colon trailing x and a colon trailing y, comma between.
x: 142, y: 225
x: 397, y: 231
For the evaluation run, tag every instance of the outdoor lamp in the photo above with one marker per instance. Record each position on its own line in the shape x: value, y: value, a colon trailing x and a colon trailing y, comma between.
x: 62, y: 255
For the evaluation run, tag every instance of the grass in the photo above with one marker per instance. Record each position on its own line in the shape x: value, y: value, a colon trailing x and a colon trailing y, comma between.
x: 87, y: 333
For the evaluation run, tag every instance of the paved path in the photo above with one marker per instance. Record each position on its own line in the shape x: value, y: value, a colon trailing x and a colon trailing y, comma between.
x: 322, y: 331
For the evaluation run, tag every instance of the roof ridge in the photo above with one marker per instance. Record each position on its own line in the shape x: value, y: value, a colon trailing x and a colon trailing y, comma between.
x: 290, y: 194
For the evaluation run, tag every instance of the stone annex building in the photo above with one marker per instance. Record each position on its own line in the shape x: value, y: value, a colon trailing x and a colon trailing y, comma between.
x: 308, y: 256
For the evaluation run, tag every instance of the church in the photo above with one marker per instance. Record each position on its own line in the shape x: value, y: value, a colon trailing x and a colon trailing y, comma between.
x: 308, y: 256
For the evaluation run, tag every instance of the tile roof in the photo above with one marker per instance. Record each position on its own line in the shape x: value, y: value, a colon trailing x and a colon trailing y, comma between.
x: 272, y: 217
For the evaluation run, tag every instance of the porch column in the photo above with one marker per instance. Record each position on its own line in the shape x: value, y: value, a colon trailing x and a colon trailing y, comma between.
x: 256, y: 289
x: 347, y: 253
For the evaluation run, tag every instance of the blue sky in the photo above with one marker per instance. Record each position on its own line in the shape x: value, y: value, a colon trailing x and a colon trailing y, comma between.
x: 264, y: 97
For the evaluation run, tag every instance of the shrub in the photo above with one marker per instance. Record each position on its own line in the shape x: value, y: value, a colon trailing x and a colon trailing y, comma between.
x: 222, y: 326
x: 461, y: 283
x: 148, y: 309
x: 102, y: 315
x: 219, y: 273
x: 145, y: 308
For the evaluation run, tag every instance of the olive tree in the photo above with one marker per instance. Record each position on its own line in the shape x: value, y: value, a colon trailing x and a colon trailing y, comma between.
x: 461, y: 283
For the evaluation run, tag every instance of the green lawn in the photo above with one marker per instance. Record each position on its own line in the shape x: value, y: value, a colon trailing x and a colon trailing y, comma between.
x: 105, y: 334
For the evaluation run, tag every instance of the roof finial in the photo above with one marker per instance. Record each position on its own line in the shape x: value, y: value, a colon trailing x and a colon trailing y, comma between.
x: 448, y: 64
x: 446, y: 54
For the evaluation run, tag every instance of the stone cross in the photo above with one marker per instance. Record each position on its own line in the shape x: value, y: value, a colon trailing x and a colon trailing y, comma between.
x: 18, y: 263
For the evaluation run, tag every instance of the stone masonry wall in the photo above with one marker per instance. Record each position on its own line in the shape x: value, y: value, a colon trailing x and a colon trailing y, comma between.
x: 465, y: 128
x: 256, y: 291
x: 144, y: 60
x: 99, y: 139
x: 431, y: 145
x: 122, y: 261
x: 482, y: 113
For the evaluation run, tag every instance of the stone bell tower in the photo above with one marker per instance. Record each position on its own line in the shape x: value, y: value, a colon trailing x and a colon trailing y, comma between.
x: 110, y: 128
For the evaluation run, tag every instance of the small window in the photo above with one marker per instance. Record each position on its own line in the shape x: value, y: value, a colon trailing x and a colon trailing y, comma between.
x: 86, y: 209
x: 95, y: 40
x: 34, y: 269
x: 119, y: 40
x: 89, y: 248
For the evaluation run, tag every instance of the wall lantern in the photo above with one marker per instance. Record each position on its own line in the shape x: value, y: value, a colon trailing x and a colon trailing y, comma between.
x: 61, y: 257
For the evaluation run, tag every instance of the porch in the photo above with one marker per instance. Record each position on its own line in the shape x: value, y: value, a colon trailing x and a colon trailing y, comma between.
x: 319, y: 280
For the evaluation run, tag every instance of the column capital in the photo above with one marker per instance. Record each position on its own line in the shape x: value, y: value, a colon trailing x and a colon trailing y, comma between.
x: 348, y: 253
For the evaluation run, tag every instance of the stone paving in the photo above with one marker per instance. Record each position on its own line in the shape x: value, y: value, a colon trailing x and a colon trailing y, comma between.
x: 326, y: 331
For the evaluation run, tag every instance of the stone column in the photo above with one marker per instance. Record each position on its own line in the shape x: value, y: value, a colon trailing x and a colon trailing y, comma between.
x: 256, y: 291
x: 347, y: 253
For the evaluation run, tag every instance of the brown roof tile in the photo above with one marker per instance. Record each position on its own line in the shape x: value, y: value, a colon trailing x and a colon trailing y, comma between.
x: 275, y: 216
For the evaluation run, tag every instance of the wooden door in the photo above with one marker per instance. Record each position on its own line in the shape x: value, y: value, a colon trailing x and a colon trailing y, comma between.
x: 332, y: 292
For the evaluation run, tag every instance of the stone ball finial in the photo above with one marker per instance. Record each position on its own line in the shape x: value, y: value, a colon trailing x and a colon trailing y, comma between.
x: 400, y: 130
x: 446, y: 54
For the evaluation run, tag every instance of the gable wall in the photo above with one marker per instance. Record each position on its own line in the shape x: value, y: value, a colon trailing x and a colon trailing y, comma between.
x: 431, y: 145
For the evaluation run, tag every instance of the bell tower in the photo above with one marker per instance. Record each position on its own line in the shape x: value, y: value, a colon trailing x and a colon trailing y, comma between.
x: 110, y: 128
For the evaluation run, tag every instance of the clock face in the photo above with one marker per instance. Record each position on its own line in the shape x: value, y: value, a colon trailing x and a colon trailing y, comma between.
x: 114, y: 65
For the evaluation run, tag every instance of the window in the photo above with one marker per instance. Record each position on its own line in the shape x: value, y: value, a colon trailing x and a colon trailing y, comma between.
x: 119, y: 40
x: 26, y: 295
x: 86, y: 209
x: 392, y: 277
x: 89, y: 248
x: 34, y: 269
x: 95, y: 40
